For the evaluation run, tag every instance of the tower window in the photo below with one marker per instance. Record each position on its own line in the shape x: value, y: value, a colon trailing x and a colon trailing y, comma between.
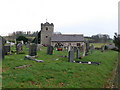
x: 46, y: 36
x: 46, y: 28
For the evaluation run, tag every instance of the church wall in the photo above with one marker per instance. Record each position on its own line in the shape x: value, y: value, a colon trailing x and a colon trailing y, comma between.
x: 68, y: 43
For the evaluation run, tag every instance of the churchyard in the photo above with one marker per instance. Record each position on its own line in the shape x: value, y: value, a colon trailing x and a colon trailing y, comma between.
x: 57, y: 70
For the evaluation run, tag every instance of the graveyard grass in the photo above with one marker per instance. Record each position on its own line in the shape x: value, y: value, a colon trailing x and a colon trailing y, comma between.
x: 57, y: 72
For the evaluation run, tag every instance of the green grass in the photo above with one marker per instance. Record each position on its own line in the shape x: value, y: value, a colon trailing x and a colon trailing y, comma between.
x: 59, y: 73
x: 98, y: 44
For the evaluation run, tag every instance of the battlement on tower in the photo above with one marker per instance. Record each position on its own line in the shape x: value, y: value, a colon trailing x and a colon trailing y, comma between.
x: 47, y: 24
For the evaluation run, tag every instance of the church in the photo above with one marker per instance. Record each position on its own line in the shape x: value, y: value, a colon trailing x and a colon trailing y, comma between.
x: 46, y: 37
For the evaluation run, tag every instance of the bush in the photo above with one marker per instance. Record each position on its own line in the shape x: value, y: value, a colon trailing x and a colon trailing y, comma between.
x: 22, y: 38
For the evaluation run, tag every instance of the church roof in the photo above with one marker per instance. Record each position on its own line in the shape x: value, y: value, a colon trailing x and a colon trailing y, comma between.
x: 67, y: 37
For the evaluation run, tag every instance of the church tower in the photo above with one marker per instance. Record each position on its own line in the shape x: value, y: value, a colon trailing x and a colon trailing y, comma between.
x: 47, y: 30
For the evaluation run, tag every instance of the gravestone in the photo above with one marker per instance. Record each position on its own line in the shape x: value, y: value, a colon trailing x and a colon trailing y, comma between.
x: 69, y: 48
x: 102, y: 48
x: 92, y: 48
x: 39, y: 47
x: 1, y: 49
x: 50, y: 50
x: 75, y: 49
x: 71, y: 56
x: 83, y: 49
x: 78, y: 53
x: 19, y: 48
x: 87, y: 49
x: 32, y: 49
x: 6, y: 50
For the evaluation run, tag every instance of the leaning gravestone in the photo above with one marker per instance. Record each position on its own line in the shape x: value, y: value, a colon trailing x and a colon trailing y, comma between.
x: 32, y: 49
x: 1, y: 49
x: 50, y: 50
x: 71, y: 56
x: 6, y: 50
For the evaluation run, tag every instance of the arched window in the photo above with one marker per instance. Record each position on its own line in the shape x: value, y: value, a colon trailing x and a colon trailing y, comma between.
x: 46, y: 36
x: 46, y: 28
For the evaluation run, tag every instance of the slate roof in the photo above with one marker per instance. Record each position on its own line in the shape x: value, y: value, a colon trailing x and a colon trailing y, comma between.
x: 67, y: 38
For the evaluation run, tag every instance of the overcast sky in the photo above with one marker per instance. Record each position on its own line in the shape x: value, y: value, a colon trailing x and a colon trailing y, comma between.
x: 88, y: 17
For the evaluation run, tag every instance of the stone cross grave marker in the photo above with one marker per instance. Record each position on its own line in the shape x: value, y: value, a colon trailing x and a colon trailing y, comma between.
x: 1, y: 49
x: 50, y: 50
x: 71, y: 56
x: 32, y: 49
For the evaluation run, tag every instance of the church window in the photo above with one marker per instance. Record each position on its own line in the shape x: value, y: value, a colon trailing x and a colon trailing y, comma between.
x: 46, y: 28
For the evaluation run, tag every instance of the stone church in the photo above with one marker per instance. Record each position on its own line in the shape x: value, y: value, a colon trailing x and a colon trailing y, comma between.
x: 46, y: 37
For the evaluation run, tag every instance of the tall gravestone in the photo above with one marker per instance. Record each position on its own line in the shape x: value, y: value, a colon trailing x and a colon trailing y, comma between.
x: 78, y: 53
x: 83, y: 49
x: 69, y: 48
x: 87, y: 48
x: 75, y: 49
x: 32, y: 49
x: 1, y: 49
x: 50, y: 50
x: 91, y: 48
x: 71, y: 56
x: 102, y: 48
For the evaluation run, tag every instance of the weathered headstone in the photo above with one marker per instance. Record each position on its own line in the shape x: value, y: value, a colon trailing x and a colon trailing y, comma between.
x: 1, y: 49
x: 19, y: 48
x: 71, y: 56
x: 84, y: 49
x: 6, y: 50
x: 78, y: 53
x: 50, y: 50
x: 69, y: 48
x: 102, y: 48
x: 87, y: 48
x: 91, y: 48
x: 39, y: 47
x: 32, y: 49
